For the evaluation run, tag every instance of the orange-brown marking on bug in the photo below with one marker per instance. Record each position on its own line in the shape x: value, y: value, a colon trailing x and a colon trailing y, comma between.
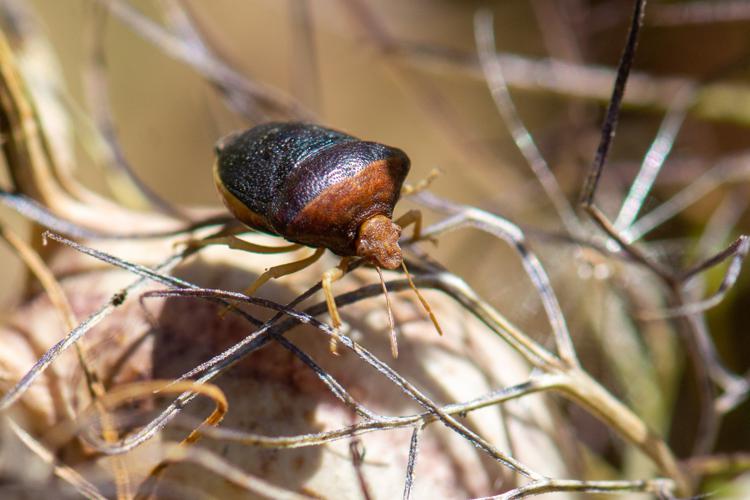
x: 239, y: 209
x: 337, y: 216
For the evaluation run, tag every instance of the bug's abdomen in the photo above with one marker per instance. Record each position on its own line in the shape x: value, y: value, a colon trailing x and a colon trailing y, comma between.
x: 308, y: 183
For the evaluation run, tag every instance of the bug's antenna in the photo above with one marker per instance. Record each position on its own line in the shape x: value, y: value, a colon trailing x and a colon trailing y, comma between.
x: 391, y: 323
x: 426, y: 306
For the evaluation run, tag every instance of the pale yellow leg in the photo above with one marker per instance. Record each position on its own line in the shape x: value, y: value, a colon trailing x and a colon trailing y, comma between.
x: 283, y: 270
x: 327, y: 280
x: 229, y: 230
x: 409, y: 218
x: 277, y: 272
x: 408, y: 189
x: 236, y: 243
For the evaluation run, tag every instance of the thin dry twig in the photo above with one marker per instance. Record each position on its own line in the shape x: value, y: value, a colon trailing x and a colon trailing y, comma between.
x: 120, y: 394
x: 613, y: 109
x: 125, y: 183
x: 660, y: 487
x: 412, y: 462
x: 220, y: 363
x: 96, y: 390
x: 12, y: 395
x: 250, y: 97
x: 67, y: 474
x: 735, y: 168
x: 374, y: 422
x: 34, y: 211
x: 654, y: 158
x: 214, y: 463
x: 578, y: 385
x: 560, y: 373
x: 737, y: 251
x: 512, y: 234
x: 493, y: 72
x: 698, y: 343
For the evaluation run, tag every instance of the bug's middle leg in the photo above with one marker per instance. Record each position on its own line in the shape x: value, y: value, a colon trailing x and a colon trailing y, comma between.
x: 409, y: 189
x: 283, y: 270
x: 277, y: 272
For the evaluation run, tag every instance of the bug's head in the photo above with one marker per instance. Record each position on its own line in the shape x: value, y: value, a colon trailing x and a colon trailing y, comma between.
x: 378, y: 242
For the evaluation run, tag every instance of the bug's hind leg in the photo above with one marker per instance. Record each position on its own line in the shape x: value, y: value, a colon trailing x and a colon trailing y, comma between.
x: 236, y: 243
x: 327, y: 280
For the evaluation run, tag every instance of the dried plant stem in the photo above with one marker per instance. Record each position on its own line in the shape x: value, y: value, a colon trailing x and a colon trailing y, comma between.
x: 577, y: 383
x: 713, y: 101
x: 698, y: 344
x: 229, y: 472
x: 512, y: 234
x: 412, y: 462
x: 376, y: 422
x: 67, y: 474
x: 731, y: 169
x: 659, y: 487
x: 239, y: 350
x: 32, y: 166
x: 586, y: 391
x: 613, y: 109
x: 654, y: 159
x: 128, y: 392
x: 718, y: 464
x: 251, y: 97
x: 493, y: 72
x: 96, y: 389
x: 10, y: 397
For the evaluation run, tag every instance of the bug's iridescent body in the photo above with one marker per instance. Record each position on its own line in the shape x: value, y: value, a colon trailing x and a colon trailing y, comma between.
x: 315, y: 186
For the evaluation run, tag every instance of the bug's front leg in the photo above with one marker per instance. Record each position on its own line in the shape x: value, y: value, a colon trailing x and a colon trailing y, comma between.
x: 327, y: 280
x: 409, y: 218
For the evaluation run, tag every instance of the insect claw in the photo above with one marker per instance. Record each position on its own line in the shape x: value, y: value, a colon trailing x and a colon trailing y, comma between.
x: 334, y: 343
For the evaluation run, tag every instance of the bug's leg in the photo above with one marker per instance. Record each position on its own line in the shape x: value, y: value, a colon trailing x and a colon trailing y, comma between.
x: 327, y: 280
x: 277, y: 272
x: 409, y: 218
x: 409, y: 189
x: 236, y: 243
x: 283, y: 270
x: 227, y: 230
